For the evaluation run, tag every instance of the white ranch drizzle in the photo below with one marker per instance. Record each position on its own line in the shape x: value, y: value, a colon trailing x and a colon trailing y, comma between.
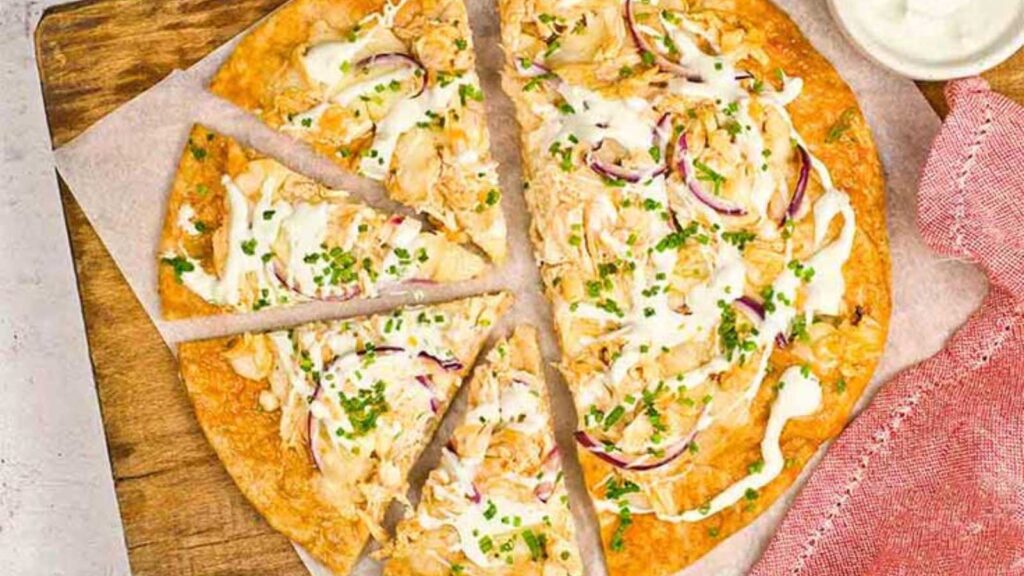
x: 187, y: 220
x: 826, y: 288
x: 310, y: 119
x: 325, y: 62
x: 404, y: 116
x: 596, y: 118
x: 226, y: 290
x: 799, y: 395
x: 717, y: 72
x: 331, y: 63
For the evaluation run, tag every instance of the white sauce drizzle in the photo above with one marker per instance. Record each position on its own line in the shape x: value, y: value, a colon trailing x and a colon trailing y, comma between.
x: 718, y: 72
x: 186, y: 220
x: 324, y: 63
x: 404, y: 116
x: 826, y: 289
x: 596, y: 118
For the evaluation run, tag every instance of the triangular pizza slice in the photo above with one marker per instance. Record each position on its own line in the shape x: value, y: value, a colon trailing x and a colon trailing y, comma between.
x: 497, y: 504
x: 384, y: 89
x: 243, y: 233
x: 319, y: 425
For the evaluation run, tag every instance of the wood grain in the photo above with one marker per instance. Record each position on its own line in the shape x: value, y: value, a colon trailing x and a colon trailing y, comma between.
x: 182, y: 514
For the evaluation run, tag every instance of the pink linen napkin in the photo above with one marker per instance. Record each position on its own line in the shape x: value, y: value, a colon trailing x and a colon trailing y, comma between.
x: 929, y: 479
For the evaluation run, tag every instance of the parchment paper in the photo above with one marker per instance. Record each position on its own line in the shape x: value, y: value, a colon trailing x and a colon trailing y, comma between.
x: 121, y: 170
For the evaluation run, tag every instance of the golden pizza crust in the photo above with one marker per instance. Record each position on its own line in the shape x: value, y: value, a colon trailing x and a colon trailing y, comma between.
x: 659, y: 548
x: 265, y: 76
x: 280, y: 482
x: 207, y: 157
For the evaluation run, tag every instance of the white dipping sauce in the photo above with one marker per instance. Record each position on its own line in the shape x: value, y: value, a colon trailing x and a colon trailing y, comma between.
x: 933, y: 32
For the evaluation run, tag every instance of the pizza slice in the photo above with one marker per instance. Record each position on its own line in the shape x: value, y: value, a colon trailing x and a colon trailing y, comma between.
x: 319, y: 425
x: 715, y: 257
x: 387, y: 90
x: 243, y: 232
x: 497, y: 503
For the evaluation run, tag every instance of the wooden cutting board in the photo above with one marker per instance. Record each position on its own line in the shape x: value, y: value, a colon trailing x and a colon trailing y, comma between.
x: 182, y: 514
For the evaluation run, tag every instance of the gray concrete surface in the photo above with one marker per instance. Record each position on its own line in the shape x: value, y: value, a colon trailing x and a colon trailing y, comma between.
x: 58, y: 512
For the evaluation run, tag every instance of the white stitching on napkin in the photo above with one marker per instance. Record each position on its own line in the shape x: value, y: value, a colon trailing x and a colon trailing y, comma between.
x: 960, y: 212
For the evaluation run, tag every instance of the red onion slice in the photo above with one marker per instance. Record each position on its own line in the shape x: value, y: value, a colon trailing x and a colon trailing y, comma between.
x: 644, y: 46
x: 611, y: 170
x: 752, y: 308
x: 550, y: 468
x: 801, y: 184
x: 636, y: 463
x: 313, y: 431
x: 382, y: 350
x: 400, y: 59
x: 682, y: 163
x: 663, y: 131
x: 451, y: 365
x: 426, y: 382
x: 474, y: 496
x: 419, y: 282
x: 544, y: 490
x: 533, y: 70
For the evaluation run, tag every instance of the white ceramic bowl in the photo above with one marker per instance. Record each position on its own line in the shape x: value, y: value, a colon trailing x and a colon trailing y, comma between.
x: 964, y: 65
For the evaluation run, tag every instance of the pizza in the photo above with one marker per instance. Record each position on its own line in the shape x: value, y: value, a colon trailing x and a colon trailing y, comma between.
x: 243, y: 233
x: 386, y: 90
x: 708, y: 216
x: 497, y: 503
x: 319, y: 425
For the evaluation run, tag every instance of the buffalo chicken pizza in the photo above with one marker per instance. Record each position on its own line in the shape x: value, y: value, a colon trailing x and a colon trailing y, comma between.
x: 708, y: 216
